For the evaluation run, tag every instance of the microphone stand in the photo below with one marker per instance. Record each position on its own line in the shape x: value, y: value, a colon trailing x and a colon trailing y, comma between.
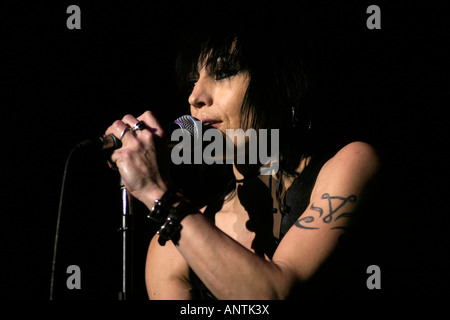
x: 127, y: 243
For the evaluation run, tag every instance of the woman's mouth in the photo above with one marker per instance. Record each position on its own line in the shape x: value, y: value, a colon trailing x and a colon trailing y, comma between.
x: 211, y: 122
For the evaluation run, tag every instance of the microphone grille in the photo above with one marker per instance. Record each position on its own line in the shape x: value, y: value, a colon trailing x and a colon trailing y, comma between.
x: 188, y: 123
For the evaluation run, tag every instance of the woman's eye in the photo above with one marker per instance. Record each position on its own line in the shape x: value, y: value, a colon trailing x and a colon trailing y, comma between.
x: 223, y: 73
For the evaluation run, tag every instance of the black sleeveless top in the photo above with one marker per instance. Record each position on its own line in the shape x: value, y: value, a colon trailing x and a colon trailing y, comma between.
x: 296, y: 202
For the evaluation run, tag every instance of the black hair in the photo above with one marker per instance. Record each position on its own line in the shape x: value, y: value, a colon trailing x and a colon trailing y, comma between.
x: 268, y: 50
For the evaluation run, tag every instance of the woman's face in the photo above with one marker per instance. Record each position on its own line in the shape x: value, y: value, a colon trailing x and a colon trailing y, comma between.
x: 217, y: 100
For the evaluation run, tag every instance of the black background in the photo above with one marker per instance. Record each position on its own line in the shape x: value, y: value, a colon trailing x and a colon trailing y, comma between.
x: 60, y: 86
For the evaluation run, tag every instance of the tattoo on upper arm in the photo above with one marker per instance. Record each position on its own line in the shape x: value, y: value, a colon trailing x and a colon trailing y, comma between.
x: 335, y: 203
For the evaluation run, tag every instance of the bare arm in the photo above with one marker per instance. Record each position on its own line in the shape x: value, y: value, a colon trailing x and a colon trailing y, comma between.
x: 166, y: 273
x: 231, y: 271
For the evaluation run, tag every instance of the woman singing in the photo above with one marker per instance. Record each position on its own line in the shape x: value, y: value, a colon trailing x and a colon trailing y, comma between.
x: 265, y: 236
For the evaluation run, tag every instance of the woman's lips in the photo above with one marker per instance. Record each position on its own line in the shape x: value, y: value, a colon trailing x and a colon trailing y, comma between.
x: 211, y: 122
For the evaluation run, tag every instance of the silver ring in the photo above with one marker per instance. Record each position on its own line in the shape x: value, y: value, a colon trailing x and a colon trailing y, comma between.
x: 139, y: 126
x: 125, y: 131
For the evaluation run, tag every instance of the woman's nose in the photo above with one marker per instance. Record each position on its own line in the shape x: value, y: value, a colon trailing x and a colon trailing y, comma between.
x: 201, y: 95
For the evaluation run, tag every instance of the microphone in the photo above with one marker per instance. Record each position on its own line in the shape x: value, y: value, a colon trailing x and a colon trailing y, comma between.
x: 110, y: 142
x: 188, y: 124
x: 101, y: 143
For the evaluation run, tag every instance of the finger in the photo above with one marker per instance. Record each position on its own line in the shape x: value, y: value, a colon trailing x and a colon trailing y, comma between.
x: 130, y: 120
x: 119, y: 129
x: 152, y: 123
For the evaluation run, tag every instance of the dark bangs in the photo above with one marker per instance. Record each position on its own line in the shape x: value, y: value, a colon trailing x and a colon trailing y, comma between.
x: 206, y: 46
x: 216, y: 48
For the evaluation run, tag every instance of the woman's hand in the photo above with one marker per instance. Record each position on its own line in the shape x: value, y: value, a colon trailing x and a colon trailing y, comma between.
x: 143, y: 158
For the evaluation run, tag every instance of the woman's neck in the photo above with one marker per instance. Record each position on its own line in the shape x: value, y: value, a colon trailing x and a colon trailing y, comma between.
x: 243, y: 172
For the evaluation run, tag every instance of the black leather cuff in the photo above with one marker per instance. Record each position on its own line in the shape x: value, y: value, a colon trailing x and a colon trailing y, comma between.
x: 170, y: 230
x: 161, y: 207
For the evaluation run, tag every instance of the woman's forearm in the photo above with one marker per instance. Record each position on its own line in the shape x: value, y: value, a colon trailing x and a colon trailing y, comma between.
x: 229, y: 270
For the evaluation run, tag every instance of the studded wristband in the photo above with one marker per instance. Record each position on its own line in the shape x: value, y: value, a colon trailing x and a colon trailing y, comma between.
x: 161, y: 207
x: 170, y: 230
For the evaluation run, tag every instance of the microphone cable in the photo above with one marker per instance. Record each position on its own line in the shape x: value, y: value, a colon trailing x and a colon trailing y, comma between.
x: 58, y: 222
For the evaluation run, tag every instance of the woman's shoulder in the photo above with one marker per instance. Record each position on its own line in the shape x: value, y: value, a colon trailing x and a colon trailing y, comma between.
x: 357, y: 149
x: 359, y: 154
x: 351, y: 167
